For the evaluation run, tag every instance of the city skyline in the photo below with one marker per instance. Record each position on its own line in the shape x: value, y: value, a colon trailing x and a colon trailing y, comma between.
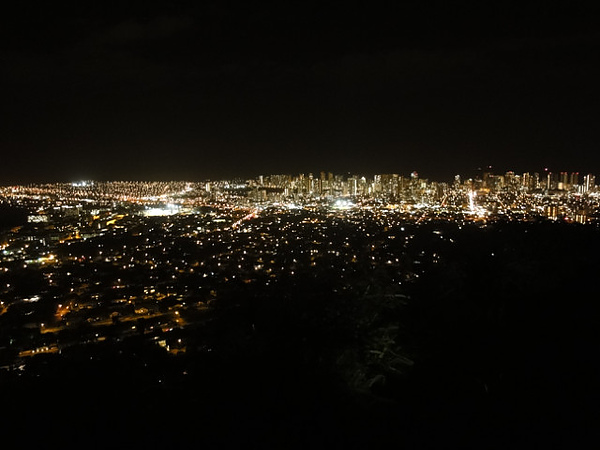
x: 477, y: 173
x: 488, y: 197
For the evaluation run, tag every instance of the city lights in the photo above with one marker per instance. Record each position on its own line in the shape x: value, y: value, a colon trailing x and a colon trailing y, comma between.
x: 109, y: 254
x: 114, y: 252
x: 151, y: 265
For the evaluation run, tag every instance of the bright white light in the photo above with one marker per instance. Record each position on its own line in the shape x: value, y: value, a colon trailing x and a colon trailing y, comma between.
x: 167, y: 210
x: 343, y: 203
x: 472, y: 201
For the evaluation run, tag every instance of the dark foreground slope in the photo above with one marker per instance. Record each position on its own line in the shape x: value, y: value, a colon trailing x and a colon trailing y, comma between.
x: 495, y: 345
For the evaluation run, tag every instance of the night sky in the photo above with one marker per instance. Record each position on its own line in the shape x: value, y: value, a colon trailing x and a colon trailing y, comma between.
x: 209, y: 90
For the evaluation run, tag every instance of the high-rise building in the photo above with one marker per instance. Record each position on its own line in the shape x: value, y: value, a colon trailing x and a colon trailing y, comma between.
x: 377, y: 184
x: 456, y: 183
x: 563, y: 182
x: 589, y: 182
x: 527, y: 181
x: 394, y: 184
x: 510, y: 178
x: 574, y: 178
x: 487, y: 178
x: 551, y: 181
x: 352, y: 186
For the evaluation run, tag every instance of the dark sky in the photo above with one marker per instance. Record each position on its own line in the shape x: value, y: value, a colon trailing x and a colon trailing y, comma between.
x: 150, y: 91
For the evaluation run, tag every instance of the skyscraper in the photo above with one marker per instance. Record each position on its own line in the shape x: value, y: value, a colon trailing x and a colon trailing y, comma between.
x: 589, y: 182
x: 574, y: 178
